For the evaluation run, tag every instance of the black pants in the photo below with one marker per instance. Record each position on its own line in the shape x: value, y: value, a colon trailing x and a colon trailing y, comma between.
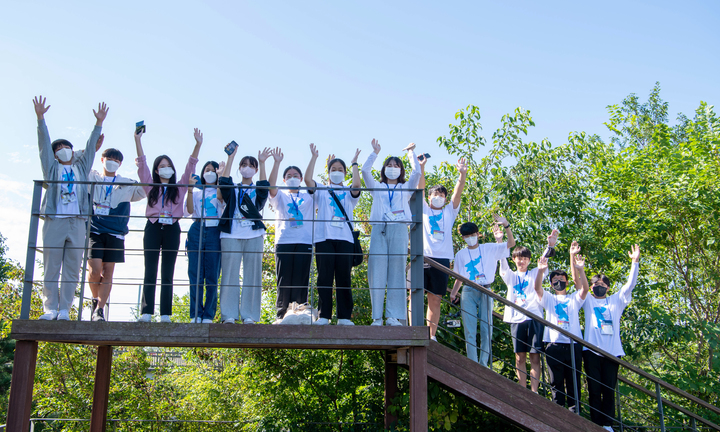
x: 334, y: 263
x: 559, y: 363
x: 166, y: 238
x: 601, y: 379
x: 292, y: 266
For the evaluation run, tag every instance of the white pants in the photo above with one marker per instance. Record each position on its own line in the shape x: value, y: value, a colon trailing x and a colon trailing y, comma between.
x: 247, y: 252
x: 63, y: 247
x: 386, y: 269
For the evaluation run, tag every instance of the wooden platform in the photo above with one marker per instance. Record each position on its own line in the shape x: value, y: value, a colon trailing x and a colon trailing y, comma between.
x: 221, y: 335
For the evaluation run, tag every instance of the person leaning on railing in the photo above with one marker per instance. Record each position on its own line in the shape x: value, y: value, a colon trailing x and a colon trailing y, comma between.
x: 438, y: 221
x: 389, y: 241
x: 165, y: 205
x: 562, y: 309
x: 602, y: 328
x: 204, y: 204
x: 108, y: 226
x: 64, y: 209
x: 334, y: 241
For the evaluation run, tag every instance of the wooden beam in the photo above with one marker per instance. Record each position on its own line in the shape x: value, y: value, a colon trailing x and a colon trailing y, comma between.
x: 418, y: 389
x: 21, y: 386
x: 102, y: 389
x: 390, y: 389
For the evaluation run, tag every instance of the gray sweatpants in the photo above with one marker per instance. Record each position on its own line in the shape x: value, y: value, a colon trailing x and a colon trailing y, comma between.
x: 249, y: 253
x: 388, y: 270
x: 63, y: 246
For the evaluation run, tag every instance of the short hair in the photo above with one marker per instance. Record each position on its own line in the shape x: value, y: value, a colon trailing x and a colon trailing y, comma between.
x: 468, y: 228
x: 401, y: 178
x: 600, y: 277
x: 521, y: 251
x: 290, y: 168
x: 557, y: 273
x: 250, y: 160
x: 331, y: 162
x: 60, y: 142
x: 112, y: 154
x: 437, y: 189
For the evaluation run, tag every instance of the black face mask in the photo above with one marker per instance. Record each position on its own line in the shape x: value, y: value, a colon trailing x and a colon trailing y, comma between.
x: 599, y: 290
x: 559, y: 285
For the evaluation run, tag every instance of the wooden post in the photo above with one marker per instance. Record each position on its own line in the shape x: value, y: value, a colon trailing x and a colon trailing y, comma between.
x: 390, y: 389
x: 102, y: 389
x: 21, y: 386
x: 418, y: 389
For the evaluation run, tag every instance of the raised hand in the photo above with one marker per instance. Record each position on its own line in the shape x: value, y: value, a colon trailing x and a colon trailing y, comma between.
x: 277, y: 154
x: 542, y: 264
x: 314, y: 151
x: 422, y: 163
x: 500, y: 220
x: 264, y: 154
x: 579, y: 262
x: 375, y: 145
x: 101, y: 113
x: 462, y: 166
x: 409, y: 147
x: 634, y: 254
x: 552, y: 238
x: 574, y: 248
x: 234, y: 152
x: 198, y: 136
x: 40, y: 108
x: 99, y: 142
x: 221, y: 167
x: 355, y: 159
x: 499, y: 233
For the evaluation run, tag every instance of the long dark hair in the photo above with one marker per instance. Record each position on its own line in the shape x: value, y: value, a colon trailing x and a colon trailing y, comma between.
x: 398, y: 161
x: 171, y: 193
x: 202, y: 172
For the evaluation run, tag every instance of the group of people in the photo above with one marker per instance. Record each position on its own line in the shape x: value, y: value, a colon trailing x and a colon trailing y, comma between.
x: 228, y: 231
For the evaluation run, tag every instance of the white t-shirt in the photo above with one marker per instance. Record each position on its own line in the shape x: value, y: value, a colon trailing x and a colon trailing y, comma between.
x: 213, y: 208
x: 437, y: 231
x: 68, y: 199
x: 332, y: 225
x: 392, y: 202
x: 241, y: 227
x: 521, y: 291
x: 294, y: 215
x: 602, y: 316
x: 479, y: 264
x: 562, y: 310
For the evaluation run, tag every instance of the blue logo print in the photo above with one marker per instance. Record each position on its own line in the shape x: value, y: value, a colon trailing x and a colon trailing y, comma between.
x: 69, y: 176
x: 210, y: 209
x: 601, y: 314
x: 334, y: 206
x: 471, y: 268
x: 294, y: 210
x: 520, y: 289
x: 434, y: 219
x: 561, y: 310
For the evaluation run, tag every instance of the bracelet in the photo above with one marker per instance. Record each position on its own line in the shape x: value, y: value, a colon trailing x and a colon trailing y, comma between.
x: 354, y: 164
x: 507, y: 226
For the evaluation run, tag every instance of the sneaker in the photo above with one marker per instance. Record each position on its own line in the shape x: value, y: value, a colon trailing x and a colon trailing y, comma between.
x: 323, y: 321
x: 608, y: 428
x: 207, y: 321
x: 98, y: 315
x: 165, y: 318
x: 144, y: 318
x: 195, y: 320
x: 377, y: 322
x: 572, y: 409
x: 229, y: 321
x: 248, y: 321
x: 49, y: 315
x: 344, y: 321
x: 94, y: 305
x: 63, y: 315
x: 392, y: 322
x: 433, y: 338
x: 277, y: 321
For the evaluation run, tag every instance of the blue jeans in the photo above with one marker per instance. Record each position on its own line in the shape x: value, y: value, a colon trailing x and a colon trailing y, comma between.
x: 208, y: 272
x: 476, y: 305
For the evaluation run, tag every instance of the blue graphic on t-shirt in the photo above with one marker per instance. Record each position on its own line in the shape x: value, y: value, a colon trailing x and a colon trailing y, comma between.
x: 434, y: 219
x: 561, y: 310
x: 601, y: 314
x: 210, y: 209
x: 333, y: 204
x: 294, y: 209
x: 69, y: 176
x: 520, y: 289
x: 471, y: 268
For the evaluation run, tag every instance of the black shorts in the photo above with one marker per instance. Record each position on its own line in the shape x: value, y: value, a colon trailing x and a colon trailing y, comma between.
x: 527, y: 336
x: 107, y: 247
x: 436, y: 281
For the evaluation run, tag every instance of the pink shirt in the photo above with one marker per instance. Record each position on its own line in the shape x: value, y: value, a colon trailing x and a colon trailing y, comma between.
x: 176, y: 209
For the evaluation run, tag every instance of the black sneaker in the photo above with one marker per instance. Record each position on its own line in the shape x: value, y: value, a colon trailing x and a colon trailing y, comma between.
x: 94, y: 306
x: 98, y: 315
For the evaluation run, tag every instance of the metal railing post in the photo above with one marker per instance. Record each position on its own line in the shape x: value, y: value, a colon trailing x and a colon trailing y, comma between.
x: 417, y: 294
x: 30, y: 256
x: 88, y: 223
x: 618, y: 405
x: 198, y: 290
x: 660, y: 407
x: 574, y: 376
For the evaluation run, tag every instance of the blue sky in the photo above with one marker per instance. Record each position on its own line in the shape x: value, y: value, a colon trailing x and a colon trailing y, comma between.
x: 334, y: 73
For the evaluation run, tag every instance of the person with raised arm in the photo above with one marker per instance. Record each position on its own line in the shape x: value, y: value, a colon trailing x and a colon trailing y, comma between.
x: 334, y: 242
x: 562, y: 309
x: 108, y: 226
x: 165, y: 207
x: 294, y: 212
x: 241, y: 237
x: 64, y: 210
x: 478, y: 263
x: 438, y: 220
x: 389, y: 216
x: 602, y: 328
x: 205, y: 205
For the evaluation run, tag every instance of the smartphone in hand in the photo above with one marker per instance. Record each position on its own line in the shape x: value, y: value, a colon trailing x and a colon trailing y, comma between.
x: 424, y: 156
x: 196, y: 178
x: 230, y: 148
x: 140, y: 127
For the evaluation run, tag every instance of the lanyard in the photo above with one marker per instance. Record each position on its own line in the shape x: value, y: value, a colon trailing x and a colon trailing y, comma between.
x: 241, y: 194
x: 69, y: 175
x: 163, y: 199
x: 295, y: 204
x: 108, y: 190
x: 391, y: 194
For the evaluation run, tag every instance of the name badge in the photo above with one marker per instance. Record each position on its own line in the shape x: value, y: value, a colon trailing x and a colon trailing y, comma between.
x: 395, y: 215
x: 438, y: 235
x: 565, y: 325
x: 68, y: 198
x: 520, y: 301
x: 606, y: 327
x: 337, y: 222
x: 295, y: 223
x: 245, y: 223
x: 479, y: 278
x: 211, y: 222
x: 165, y: 218
x: 102, y: 209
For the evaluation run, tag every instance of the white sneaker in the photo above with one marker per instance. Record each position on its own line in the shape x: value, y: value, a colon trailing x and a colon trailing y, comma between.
x: 207, y: 321
x: 344, y: 321
x: 608, y: 428
x: 377, y: 322
x: 322, y: 321
x: 433, y: 338
x: 392, y: 322
x: 248, y: 321
x: 144, y: 318
x: 49, y: 315
x: 165, y: 318
x: 63, y: 315
x: 229, y: 321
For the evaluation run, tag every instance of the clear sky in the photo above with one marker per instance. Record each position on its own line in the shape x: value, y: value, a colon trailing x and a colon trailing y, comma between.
x: 334, y: 73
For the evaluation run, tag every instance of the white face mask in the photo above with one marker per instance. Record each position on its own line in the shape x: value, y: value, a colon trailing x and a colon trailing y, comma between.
x: 337, y: 177
x: 166, y: 172
x: 210, y: 177
x: 471, y: 241
x: 64, y: 154
x: 392, y: 173
x: 437, y: 201
x: 111, y: 166
x: 293, y: 182
x: 247, y: 172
